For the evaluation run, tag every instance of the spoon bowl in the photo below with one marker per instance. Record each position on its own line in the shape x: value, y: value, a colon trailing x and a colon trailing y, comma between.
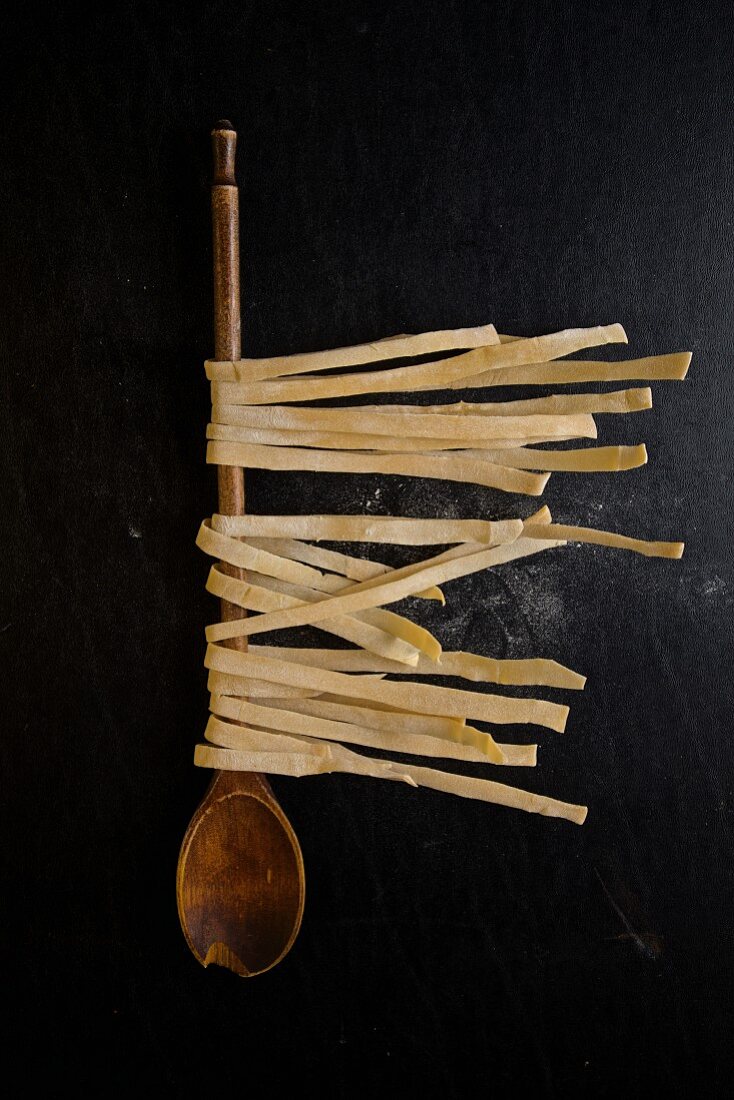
x: 240, y: 885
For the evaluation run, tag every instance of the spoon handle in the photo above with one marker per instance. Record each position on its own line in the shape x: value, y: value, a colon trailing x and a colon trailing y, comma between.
x: 227, y: 328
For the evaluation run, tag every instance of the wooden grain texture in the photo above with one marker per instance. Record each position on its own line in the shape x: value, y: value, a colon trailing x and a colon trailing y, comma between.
x: 240, y: 883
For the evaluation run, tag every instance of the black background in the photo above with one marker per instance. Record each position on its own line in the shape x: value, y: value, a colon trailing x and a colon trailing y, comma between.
x: 404, y: 166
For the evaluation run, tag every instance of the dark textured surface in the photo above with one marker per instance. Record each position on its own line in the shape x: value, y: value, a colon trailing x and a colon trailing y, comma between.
x: 404, y: 166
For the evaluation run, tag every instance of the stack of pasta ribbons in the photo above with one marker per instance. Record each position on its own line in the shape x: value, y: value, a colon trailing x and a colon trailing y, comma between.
x: 294, y: 711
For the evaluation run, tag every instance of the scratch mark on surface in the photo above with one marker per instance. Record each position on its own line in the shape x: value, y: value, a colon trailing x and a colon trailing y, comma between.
x: 647, y: 943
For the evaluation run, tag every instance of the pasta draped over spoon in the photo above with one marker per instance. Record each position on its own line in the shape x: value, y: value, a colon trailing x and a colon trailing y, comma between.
x: 293, y: 711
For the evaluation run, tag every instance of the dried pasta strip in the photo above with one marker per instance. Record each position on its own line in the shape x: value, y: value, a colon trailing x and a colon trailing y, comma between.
x: 444, y: 467
x: 420, y: 698
x: 394, y: 740
x: 369, y: 637
x: 296, y: 764
x: 606, y: 538
x: 417, y: 424
x: 356, y: 441
x: 437, y: 375
x: 254, y: 597
x: 420, y: 639
x: 291, y: 763
x: 484, y: 790
x: 587, y: 459
x: 516, y: 756
x: 364, y: 713
x: 672, y: 368
x: 399, y: 584
x: 305, y: 755
x: 356, y: 569
x: 470, y: 666
x: 223, y: 683
x: 397, y: 530
x: 557, y: 404
x: 389, y: 347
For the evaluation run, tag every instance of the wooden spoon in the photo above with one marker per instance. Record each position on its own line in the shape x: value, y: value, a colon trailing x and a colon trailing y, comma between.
x: 240, y: 884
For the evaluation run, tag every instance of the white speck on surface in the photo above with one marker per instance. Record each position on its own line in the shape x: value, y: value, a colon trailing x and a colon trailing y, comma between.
x: 135, y: 532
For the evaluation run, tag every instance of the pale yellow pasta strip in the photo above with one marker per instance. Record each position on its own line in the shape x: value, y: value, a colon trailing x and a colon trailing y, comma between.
x: 356, y: 569
x: 397, y: 530
x: 484, y: 790
x: 288, y: 763
x: 362, y: 712
x: 223, y: 683
x: 389, y: 347
x: 293, y: 764
x: 470, y: 666
x: 656, y: 367
x: 252, y: 597
x: 557, y: 404
x: 420, y: 639
x: 420, y: 698
x: 437, y: 375
x: 606, y: 538
x: 254, y: 689
x: 395, y: 739
x: 583, y: 460
x: 391, y: 423
x: 373, y: 704
x: 356, y: 441
x: 294, y: 755
x: 617, y: 400
x: 445, y: 467
x: 515, y: 756
x: 415, y: 745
